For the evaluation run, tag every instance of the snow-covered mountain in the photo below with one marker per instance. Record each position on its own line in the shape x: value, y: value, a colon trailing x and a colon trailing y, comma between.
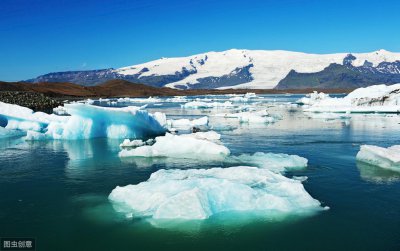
x: 239, y: 69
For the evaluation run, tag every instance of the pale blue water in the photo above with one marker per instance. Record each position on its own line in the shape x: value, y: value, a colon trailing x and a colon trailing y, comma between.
x: 56, y: 191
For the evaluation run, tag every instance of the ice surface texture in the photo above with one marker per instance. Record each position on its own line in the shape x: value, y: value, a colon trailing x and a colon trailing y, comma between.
x: 201, y: 193
x: 388, y: 158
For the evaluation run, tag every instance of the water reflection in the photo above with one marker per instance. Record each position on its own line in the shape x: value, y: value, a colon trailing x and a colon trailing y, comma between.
x: 377, y: 174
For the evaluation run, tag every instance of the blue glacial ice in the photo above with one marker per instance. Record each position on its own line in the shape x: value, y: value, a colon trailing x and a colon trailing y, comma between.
x: 201, y: 193
x: 86, y: 121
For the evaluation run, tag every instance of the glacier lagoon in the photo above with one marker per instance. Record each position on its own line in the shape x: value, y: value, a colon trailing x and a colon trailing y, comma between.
x: 58, y: 190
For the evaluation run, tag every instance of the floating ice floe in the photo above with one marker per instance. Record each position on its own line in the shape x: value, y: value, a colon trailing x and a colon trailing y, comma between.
x: 376, y: 98
x: 135, y: 143
x: 60, y: 110
x: 204, y: 105
x: 312, y: 98
x: 86, y: 121
x: 202, y: 193
x: 186, y: 123
x: 132, y: 143
x: 179, y: 146
x: 388, y: 158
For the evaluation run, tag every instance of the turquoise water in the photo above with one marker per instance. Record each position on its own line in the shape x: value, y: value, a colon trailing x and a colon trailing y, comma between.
x: 56, y: 191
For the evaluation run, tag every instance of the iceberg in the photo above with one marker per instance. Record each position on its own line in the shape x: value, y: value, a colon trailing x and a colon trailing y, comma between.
x: 86, y: 121
x: 179, y: 146
x: 197, y: 194
x: 388, y: 158
x: 376, y: 98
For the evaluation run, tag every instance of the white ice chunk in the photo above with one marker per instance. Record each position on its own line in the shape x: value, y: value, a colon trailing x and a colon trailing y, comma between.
x: 201, y: 193
x: 376, y: 98
x: 132, y: 143
x: 178, y: 146
x: 312, y: 98
x: 379, y: 156
x: 60, y: 110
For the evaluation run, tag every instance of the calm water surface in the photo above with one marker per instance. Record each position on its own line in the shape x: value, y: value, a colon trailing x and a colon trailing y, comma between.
x: 56, y: 191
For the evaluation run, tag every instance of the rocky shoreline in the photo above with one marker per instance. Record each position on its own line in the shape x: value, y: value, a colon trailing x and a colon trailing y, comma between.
x: 32, y: 100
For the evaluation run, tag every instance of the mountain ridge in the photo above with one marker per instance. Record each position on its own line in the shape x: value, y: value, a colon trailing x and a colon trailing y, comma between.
x: 250, y: 69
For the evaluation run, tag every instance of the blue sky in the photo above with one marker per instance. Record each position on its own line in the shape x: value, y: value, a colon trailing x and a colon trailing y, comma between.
x: 41, y: 36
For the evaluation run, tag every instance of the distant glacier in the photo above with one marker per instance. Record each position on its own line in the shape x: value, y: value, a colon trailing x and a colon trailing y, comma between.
x: 253, y: 69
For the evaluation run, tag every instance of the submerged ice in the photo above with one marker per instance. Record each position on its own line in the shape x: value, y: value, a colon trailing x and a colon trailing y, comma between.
x: 201, y: 193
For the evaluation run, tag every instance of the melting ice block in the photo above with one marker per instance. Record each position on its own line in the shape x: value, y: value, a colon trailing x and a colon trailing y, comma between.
x: 86, y: 121
x: 379, y: 156
x: 179, y: 146
x: 201, y: 193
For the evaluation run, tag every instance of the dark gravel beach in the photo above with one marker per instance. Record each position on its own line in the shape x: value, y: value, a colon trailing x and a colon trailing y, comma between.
x: 32, y: 100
